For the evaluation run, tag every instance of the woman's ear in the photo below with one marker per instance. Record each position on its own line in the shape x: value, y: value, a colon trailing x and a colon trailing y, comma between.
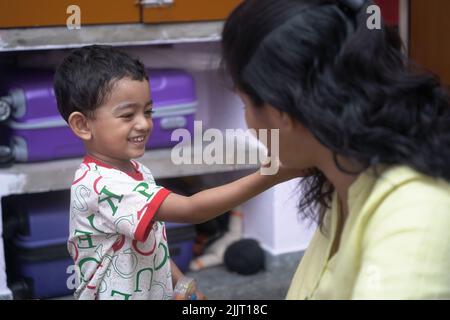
x: 290, y: 123
x: 276, y: 118
x: 281, y: 119
x: 286, y: 121
x: 80, y: 125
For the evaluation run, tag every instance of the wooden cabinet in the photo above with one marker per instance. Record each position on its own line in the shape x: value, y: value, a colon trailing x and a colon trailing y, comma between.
x: 189, y: 10
x: 32, y: 13
x: 429, y: 36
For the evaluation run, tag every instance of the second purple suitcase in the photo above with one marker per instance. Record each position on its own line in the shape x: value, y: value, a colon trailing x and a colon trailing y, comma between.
x: 36, y: 232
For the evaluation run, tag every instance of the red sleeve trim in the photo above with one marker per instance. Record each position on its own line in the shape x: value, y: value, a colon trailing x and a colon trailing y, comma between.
x: 144, y: 226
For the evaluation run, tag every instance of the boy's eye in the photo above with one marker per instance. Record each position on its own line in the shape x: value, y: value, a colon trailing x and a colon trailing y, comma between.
x: 149, y: 112
x: 127, y: 115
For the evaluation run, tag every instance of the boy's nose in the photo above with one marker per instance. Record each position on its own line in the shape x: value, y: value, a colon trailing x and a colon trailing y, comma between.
x: 143, y: 123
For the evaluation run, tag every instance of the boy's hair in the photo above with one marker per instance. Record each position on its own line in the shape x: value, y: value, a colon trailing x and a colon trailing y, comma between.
x: 87, y: 75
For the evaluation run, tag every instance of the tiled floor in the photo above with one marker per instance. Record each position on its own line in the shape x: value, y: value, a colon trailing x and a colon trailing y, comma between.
x: 272, y: 284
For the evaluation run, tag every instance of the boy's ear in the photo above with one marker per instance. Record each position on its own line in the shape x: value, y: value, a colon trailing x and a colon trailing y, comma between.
x: 80, y: 125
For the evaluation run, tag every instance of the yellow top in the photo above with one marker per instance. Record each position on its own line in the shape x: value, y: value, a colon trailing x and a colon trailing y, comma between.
x: 395, y: 243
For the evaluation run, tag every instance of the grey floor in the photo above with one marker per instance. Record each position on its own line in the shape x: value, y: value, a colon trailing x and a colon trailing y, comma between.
x: 217, y: 283
x: 272, y: 284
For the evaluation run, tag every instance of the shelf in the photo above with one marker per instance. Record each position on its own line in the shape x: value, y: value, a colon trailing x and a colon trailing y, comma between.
x: 45, y: 38
x: 58, y: 175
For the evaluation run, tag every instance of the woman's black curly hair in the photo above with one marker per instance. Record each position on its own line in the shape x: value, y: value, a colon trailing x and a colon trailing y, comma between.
x: 351, y: 86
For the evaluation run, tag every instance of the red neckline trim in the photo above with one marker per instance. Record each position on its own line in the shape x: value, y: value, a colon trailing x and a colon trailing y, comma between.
x: 136, y: 175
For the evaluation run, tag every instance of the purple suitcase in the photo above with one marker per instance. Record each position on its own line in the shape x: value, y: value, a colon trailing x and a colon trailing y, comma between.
x: 38, y: 133
x: 38, y: 228
x: 181, y: 238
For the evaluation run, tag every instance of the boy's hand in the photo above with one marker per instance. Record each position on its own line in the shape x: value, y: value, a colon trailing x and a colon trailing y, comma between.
x: 285, y: 174
x: 200, y: 296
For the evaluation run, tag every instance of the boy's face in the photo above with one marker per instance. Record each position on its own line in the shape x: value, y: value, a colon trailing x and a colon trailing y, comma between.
x: 121, y: 126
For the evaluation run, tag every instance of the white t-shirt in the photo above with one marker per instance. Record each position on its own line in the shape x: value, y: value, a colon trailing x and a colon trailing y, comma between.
x: 119, y: 252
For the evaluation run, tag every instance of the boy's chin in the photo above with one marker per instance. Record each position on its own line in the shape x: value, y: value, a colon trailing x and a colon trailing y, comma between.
x: 137, y: 154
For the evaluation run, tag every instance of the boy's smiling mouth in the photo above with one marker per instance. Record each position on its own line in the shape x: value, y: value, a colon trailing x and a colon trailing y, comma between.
x: 137, y: 139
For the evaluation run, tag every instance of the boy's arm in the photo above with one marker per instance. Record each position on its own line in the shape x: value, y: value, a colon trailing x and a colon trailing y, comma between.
x: 210, y: 203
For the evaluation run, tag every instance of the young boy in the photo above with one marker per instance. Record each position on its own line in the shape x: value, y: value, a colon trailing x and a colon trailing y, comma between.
x: 116, y: 238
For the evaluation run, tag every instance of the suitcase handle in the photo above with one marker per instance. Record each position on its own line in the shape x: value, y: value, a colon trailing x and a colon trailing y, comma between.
x: 5, y: 108
x: 6, y: 156
x: 13, y: 105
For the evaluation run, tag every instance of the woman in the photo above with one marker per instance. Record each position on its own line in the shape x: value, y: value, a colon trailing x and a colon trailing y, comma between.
x: 349, y: 104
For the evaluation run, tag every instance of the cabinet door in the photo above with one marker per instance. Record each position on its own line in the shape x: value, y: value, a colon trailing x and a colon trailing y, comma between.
x: 32, y: 13
x: 429, y: 36
x: 188, y: 10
